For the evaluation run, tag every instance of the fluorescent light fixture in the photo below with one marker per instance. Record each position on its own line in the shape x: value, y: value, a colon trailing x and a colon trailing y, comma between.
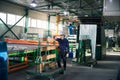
x: 33, y: 4
x: 110, y: 0
x: 66, y: 13
x: 86, y: 15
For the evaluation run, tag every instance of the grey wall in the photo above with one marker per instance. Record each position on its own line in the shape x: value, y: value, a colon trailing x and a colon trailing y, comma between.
x: 111, y: 8
x: 17, y: 10
x: 10, y: 8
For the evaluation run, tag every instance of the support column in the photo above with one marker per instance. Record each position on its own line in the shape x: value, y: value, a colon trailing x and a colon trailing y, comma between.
x: 57, y: 22
x: 48, y: 25
x: 26, y: 21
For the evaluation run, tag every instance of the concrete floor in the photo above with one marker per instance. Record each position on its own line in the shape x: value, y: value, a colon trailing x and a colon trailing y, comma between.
x: 105, y: 70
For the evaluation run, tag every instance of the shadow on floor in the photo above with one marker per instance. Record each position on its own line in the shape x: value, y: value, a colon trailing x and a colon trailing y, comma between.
x: 110, y: 62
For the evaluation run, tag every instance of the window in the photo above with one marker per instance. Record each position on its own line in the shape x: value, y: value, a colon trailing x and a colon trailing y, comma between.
x: 52, y: 26
x: 60, y: 27
x: 21, y: 22
x: 44, y: 24
x: 29, y: 22
x: 11, y: 19
x: 39, y: 22
x: 3, y: 17
x: 33, y: 22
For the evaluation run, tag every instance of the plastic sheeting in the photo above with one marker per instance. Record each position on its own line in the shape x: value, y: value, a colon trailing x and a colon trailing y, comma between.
x: 89, y: 31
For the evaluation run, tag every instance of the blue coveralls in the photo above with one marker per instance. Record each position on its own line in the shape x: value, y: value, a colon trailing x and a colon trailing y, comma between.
x: 70, y: 29
x: 64, y: 48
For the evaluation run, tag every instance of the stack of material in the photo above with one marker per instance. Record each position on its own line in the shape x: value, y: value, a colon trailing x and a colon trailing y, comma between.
x: 43, y: 41
x: 48, y: 50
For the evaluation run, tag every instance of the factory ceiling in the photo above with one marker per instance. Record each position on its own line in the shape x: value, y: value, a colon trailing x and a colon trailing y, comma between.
x: 80, y: 8
x: 74, y: 7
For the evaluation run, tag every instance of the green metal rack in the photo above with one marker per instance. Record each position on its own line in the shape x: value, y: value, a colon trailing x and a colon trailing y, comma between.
x: 43, y: 68
x: 84, y: 48
x: 20, y: 56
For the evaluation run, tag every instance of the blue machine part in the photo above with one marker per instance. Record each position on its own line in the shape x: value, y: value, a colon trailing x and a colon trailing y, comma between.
x: 70, y: 29
x: 70, y: 55
x: 3, y: 61
x: 3, y: 55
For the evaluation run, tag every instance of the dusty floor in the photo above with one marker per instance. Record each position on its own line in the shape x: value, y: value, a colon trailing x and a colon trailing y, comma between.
x: 105, y: 70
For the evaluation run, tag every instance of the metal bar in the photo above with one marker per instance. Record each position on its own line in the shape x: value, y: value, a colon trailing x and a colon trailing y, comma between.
x: 80, y: 1
x: 93, y: 8
x: 48, y: 25
x: 57, y: 22
x: 8, y: 29
x: 13, y: 25
x: 77, y: 40
x: 26, y: 21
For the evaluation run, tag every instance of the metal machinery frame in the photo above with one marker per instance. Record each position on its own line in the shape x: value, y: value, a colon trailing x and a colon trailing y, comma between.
x: 84, y: 47
x: 21, y: 53
x: 100, y: 42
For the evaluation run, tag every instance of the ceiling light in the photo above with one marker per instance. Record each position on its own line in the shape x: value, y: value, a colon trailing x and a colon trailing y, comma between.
x: 66, y: 13
x: 110, y: 0
x: 33, y: 3
x: 86, y: 15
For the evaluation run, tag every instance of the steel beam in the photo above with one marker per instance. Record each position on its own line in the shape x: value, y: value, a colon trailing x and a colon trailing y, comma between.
x: 48, y: 25
x: 10, y: 29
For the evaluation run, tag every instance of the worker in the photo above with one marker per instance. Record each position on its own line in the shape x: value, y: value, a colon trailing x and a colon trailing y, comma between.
x: 63, y: 50
x: 110, y: 43
x: 70, y: 29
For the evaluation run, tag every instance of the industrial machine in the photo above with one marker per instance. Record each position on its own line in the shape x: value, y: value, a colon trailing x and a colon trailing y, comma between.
x: 3, y: 61
x: 21, y: 53
x: 90, y: 28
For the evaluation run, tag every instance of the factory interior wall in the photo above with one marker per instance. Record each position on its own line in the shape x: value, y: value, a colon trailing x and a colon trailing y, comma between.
x: 9, y: 8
